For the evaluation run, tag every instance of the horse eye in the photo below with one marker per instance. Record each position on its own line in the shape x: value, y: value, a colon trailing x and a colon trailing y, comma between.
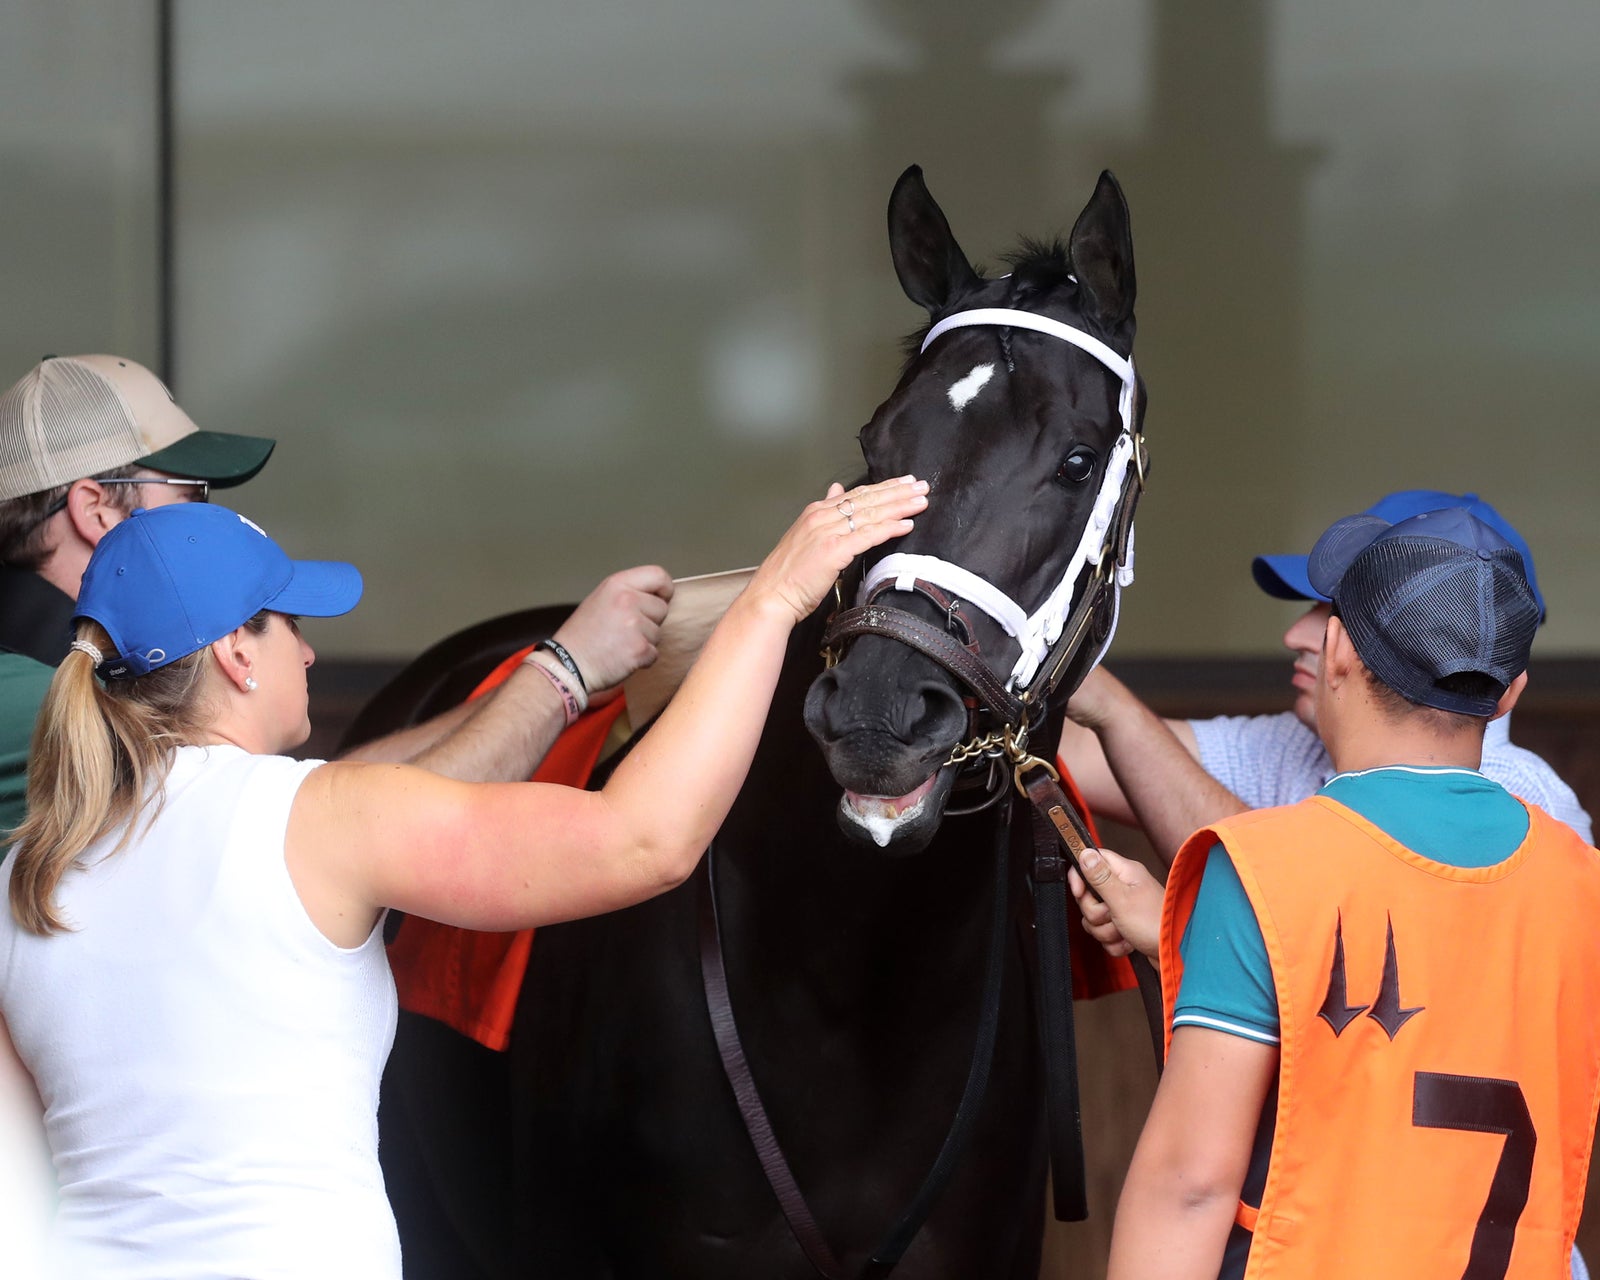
x: 1076, y: 467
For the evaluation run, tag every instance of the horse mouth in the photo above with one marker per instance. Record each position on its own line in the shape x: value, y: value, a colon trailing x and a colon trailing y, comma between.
x: 908, y: 820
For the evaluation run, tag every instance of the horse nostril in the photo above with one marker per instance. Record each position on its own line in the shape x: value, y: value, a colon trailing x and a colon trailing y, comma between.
x: 932, y: 713
x: 822, y: 708
x: 842, y: 702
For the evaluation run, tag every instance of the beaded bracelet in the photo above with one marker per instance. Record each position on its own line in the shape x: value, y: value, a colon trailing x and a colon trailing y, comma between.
x: 554, y: 646
x: 569, y: 696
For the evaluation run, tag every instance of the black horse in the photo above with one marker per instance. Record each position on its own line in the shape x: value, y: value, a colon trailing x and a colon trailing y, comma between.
x: 855, y: 931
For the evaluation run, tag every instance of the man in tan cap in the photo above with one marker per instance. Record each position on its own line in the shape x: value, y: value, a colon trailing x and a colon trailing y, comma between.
x: 84, y: 440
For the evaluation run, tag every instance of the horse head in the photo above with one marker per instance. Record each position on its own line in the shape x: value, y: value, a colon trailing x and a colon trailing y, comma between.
x: 1022, y: 410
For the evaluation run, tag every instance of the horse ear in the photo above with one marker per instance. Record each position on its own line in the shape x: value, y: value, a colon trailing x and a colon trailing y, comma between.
x: 929, y: 262
x: 1102, y: 253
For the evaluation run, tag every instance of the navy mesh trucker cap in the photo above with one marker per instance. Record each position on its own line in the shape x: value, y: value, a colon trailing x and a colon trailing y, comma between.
x: 169, y: 580
x: 1285, y: 576
x: 1430, y: 597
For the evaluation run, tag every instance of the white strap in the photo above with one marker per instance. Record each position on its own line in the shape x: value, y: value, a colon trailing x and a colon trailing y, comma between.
x: 1005, y: 317
x: 905, y: 569
x: 1044, y: 626
x: 1036, y: 632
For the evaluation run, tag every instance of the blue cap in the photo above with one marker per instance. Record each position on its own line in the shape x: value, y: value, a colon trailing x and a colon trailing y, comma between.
x: 1424, y: 600
x: 1286, y: 577
x: 169, y: 580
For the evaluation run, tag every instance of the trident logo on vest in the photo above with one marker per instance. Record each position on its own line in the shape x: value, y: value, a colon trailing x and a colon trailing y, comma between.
x: 1339, y: 1013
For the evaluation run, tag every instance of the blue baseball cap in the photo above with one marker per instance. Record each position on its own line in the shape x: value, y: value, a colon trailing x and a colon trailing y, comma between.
x: 169, y: 580
x: 1286, y: 577
x: 1439, y: 595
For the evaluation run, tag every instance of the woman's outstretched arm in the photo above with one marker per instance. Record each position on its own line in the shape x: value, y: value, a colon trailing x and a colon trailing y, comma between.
x: 505, y: 856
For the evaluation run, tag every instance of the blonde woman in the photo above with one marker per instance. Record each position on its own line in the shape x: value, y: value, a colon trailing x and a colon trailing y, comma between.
x: 192, y: 973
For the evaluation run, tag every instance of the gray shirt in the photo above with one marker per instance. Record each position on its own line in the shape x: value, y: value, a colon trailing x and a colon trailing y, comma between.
x: 1272, y: 760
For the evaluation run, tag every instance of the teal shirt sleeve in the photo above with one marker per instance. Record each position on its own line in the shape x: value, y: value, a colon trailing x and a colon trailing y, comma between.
x: 1227, y: 978
x: 23, y: 683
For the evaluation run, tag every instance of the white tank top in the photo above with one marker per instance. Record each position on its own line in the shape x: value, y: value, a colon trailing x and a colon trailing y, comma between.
x: 208, y: 1060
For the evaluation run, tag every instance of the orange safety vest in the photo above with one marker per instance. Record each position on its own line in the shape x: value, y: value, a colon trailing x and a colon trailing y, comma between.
x: 1439, y: 1057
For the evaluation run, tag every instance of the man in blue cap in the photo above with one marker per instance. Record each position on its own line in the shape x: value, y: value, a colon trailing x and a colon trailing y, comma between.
x: 1171, y: 776
x: 1383, y: 1001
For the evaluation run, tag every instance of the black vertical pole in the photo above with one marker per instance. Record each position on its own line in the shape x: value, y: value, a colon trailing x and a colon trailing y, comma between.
x: 164, y: 190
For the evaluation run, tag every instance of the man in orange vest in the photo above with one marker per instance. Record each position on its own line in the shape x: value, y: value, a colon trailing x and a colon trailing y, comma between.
x: 1383, y: 1003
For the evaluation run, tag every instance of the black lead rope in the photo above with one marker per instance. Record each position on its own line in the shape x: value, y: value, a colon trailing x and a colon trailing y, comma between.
x: 1059, y: 837
x: 759, y: 1128
x: 1057, y: 1033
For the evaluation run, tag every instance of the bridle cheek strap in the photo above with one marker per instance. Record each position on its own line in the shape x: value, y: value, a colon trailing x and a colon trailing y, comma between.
x: 1038, y: 631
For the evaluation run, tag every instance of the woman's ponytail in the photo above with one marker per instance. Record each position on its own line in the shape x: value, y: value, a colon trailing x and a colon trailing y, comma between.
x: 98, y: 757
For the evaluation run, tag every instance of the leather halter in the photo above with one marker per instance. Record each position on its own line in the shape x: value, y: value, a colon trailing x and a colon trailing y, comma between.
x: 1050, y: 637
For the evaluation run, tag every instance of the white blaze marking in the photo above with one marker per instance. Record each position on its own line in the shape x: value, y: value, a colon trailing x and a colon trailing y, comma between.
x: 962, y: 392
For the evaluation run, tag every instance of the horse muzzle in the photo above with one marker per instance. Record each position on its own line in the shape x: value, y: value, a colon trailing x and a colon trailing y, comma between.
x: 886, y: 727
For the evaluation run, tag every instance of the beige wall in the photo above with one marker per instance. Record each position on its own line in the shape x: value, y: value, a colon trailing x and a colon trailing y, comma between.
x: 531, y: 291
x: 78, y: 180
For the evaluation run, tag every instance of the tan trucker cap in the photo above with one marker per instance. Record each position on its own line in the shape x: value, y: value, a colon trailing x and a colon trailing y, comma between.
x: 76, y: 416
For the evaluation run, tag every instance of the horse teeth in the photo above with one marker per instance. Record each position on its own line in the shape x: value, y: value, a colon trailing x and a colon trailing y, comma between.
x: 882, y: 816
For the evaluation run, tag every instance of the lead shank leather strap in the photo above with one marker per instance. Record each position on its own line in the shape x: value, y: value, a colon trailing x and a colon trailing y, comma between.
x: 1057, y: 1033
x: 1051, y: 804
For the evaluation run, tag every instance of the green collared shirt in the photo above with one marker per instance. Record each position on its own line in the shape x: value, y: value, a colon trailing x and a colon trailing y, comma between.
x: 23, y: 683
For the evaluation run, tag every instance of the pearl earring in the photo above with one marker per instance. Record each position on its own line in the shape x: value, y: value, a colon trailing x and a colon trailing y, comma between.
x: 250, y: 683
